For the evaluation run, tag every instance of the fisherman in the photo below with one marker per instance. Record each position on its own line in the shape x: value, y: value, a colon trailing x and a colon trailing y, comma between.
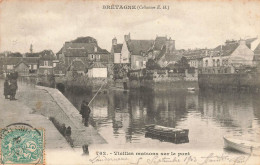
x: 85, y: 112
x: 6, y: 88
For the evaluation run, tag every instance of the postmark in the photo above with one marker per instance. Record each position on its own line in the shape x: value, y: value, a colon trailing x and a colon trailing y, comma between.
x: 22, y: 144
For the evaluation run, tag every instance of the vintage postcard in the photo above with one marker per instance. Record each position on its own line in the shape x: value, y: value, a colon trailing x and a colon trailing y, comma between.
x: 152, y: 82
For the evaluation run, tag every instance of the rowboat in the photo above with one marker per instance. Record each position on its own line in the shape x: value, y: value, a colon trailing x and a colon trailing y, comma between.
x: 166, y: 132
x: 244, y: 146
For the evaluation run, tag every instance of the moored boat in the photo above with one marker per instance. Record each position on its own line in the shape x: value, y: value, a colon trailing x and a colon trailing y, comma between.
x: 244, y: 146
x: 166, y: 132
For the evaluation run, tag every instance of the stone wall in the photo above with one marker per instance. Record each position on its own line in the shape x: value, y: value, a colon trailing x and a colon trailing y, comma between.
x: 224, y: 81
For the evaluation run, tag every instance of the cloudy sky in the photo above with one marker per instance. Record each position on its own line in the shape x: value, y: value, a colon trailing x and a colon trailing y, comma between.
x: 48, y: 24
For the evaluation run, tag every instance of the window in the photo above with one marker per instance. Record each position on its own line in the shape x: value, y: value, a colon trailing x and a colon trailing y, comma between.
x: 54, y: 64
x: 95, y: 49
x: 30, y: 66
x: 34, y: 67
x: 46, y: 63
x: 98, y: 57
x: 92, y: 56
x: 213, y: 62
x: 206, y: 63
x: 218, y: 62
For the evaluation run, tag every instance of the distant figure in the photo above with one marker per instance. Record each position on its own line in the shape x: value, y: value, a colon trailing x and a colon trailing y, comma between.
x: 12, y: 88
x: 68, y: 135
x: 63, y: 129
x: 6, y: 88
x: 85, y: 112
x: 85, y: 149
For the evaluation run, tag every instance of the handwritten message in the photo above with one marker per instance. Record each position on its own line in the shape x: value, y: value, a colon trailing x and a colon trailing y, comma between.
x: 156, y: 158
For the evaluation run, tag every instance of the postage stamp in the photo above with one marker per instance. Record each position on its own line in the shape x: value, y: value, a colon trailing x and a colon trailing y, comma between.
x: 22, y: 144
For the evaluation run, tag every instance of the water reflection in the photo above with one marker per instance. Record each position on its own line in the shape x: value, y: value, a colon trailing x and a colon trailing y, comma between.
x: 120, y: 117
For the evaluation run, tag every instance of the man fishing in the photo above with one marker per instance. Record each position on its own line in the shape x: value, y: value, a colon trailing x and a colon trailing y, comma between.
x: 85, y: 112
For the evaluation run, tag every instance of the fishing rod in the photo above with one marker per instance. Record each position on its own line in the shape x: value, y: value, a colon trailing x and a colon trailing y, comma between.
x: 96, y: 93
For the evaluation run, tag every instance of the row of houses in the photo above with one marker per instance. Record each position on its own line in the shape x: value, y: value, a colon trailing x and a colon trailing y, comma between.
x: 84, y: 56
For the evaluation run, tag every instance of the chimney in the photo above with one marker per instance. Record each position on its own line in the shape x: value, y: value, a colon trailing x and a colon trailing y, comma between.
x: 127, y: 37
x: 114, y: 41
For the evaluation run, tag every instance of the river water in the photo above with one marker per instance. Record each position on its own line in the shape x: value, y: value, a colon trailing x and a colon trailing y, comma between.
x: 121, y: 117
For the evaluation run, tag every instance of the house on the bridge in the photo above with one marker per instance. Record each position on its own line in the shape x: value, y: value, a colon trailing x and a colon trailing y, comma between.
x: 97, y: 70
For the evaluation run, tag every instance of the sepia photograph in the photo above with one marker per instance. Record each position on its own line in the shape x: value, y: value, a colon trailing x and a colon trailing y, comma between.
x: 114, y: 82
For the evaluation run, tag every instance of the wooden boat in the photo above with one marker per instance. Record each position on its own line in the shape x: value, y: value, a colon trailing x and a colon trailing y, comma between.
x: 166, y: 139
x: 166, y: 132
x: 244, y: 146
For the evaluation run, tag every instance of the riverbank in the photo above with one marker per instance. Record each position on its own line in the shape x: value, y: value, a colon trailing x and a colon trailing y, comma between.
x: 50, y: 103
x: 17, y: 112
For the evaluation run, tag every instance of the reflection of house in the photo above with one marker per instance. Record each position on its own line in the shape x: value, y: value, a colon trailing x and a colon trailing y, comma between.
x: 97, y: 70
x: 22, y: 68
x: 46, y: 62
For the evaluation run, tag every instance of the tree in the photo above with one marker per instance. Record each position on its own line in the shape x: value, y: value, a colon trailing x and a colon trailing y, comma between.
x: 183, y: 63
x: 151, y: 64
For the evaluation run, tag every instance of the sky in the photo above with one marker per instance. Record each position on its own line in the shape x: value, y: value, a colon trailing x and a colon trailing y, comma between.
x: 48, y: 24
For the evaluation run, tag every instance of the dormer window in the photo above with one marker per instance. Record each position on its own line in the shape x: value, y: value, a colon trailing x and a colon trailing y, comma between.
x: 95, y: 49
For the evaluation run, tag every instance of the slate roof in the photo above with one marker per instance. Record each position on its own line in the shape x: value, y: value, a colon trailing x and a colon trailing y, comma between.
x: 227, y: 49
x: 137, y: 47
x: 97, y: 65
x: 77, y: 65
x: 159, y: 43
x: 195, y: 54
x: 20, y: 63
x: 250, y: 40
x: 257, y: 50
x: 117, y: 48
x: 47, y: 55
x: 31, y: 60
x: 11, y: 60
x: 82, y: 49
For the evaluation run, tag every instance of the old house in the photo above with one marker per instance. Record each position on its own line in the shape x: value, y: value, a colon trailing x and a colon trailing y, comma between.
x: 116, y: 53
x: 233, y: 53
x: 97, y: 70
x: 22, y: 68
x: 84, y: 48
x: 9, y: 63
x: 33, y: 63
x: 46, y: 62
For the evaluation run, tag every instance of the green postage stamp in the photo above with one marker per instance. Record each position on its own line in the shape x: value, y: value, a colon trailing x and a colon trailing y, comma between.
x: 22, y: 144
